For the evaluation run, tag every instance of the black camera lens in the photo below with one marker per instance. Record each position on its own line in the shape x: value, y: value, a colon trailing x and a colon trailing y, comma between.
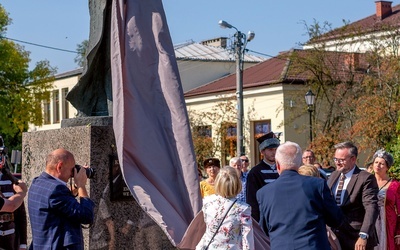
x: 89, y: 171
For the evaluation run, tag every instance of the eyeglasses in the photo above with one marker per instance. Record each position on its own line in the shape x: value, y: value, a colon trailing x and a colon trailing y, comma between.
x: 245, y: 160
x: 341, y: 161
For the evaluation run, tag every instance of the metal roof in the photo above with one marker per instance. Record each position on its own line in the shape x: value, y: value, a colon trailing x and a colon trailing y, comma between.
x: 70, y: 73
x: 197, y: 51
x: 280, y: 70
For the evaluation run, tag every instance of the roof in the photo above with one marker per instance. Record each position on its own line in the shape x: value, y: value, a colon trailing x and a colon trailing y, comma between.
x: 190, y: 51
x: 197, y: 51
x: 280, y: 69
x: 264, y: 73
x: 367, y: 25
x: 69, y: 73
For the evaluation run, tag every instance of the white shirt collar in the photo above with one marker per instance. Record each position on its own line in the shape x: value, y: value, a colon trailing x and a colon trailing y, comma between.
x: 350, y: 173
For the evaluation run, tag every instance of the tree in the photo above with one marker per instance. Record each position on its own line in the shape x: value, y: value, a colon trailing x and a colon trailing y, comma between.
x: 394, y: 147
x: 21, y: 90
x: 81, y: 49
x: 357, y: 93
x: 210, y: 131
x: 214, y: 130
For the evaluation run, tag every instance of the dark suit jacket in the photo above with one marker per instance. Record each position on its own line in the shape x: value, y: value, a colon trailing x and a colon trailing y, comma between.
x: 359, y: 207
x: 56, y: 215
x: 295, y: 209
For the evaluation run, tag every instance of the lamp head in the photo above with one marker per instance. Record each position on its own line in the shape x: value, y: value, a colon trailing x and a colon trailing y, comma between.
x: 224, y: 24
x: 250, y: 35
x: 310, y: 98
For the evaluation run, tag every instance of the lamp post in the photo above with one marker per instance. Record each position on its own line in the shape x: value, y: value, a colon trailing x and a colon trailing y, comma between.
x: 241, y: 41
x: 310, y: 100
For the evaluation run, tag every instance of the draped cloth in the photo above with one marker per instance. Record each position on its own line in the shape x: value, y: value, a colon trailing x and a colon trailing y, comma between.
x: 150, y: 120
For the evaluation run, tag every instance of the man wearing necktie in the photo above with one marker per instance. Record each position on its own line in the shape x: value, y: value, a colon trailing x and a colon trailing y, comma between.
x: 263, y: 173
x: 356, y: 194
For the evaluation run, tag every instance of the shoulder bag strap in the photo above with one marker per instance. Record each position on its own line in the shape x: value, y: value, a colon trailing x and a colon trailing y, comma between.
x: 216, y: 231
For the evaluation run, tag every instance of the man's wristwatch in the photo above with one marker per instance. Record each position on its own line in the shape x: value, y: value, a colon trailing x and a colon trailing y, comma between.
x: 363, y: 236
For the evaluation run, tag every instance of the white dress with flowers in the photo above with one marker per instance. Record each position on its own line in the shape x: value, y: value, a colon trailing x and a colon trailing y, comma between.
x: 236, y: 231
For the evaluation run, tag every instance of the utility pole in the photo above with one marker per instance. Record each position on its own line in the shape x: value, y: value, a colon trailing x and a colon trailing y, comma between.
x: 240, y: 46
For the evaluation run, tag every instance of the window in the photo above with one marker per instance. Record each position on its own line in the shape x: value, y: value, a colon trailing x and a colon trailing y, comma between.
x: 56, y: 106
x: 65, y: 104
x: 203, y: 131
x: 229, y: 142
x: 260, y: 129
x: 203, y: 143
x: 46, y: 112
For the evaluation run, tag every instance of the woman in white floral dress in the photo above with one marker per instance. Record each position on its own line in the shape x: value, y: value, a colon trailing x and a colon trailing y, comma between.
x: 236, y: 231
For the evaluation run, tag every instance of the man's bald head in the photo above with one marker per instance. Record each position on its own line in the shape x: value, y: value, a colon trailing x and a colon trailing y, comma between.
x: 60, y: 164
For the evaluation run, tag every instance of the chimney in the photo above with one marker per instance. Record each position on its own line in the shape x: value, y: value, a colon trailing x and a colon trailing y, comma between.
x: 216, y: 42
x: 383, y: 9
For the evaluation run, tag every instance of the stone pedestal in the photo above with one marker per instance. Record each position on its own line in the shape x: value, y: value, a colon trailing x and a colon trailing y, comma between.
x: 91, y: 140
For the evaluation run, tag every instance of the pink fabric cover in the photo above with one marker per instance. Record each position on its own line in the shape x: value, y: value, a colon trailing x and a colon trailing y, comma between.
x: 150, y: 120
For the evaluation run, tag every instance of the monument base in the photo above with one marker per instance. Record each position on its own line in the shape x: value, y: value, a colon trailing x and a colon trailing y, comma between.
x: 120, y: 223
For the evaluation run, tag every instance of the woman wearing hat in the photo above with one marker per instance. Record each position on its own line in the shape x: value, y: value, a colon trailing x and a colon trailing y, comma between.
x: 212, y: 167
x: 388, y: 222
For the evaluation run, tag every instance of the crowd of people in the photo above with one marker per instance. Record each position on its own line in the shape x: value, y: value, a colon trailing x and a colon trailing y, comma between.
x: 298, y: 205
x: 287, y: 197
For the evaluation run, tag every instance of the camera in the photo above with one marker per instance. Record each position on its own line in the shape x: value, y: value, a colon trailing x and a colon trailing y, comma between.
x: 89, y: 171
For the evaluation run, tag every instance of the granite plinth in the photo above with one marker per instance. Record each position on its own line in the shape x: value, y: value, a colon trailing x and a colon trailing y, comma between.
x: 119, y: 222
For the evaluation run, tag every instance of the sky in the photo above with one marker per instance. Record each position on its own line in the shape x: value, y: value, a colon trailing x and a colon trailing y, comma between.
x: 278, y: 25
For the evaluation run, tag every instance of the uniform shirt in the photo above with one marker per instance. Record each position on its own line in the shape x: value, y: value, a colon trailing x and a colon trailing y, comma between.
x: 19, y: 223
x: 258, y: 176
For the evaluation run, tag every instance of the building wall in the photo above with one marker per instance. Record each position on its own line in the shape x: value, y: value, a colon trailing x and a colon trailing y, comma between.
x: 263, y: 104
x: 197, y: 73
x: 65, y: 109
x: 193, y: 74
x: 359, y: 44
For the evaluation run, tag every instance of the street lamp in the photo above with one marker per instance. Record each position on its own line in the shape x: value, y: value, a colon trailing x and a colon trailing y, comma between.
x: 310, y: 100
x: 241, y: 41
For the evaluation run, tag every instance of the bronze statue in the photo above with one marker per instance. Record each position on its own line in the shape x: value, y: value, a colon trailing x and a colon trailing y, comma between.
x: 92, y: 95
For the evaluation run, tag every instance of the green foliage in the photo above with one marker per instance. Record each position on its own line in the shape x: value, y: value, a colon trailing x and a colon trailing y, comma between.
x: 215, y: 121
x: 81, y: 49
x: 21, y: 90
x: 394, y: 147
x: 357, y: 94
x: 4, y: 20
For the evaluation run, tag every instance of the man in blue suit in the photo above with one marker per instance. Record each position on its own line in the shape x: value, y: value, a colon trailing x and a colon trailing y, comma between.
x: 55, y: 214
x: 295, y: 209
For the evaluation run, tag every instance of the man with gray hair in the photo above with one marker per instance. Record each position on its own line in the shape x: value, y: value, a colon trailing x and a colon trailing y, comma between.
x: 295, y: 209
x: 263, y: 173
x: 356, y: 195
x: 237, y: 164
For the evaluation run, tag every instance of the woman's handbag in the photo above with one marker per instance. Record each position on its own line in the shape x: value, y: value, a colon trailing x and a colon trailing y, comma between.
x: 216, y: 231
